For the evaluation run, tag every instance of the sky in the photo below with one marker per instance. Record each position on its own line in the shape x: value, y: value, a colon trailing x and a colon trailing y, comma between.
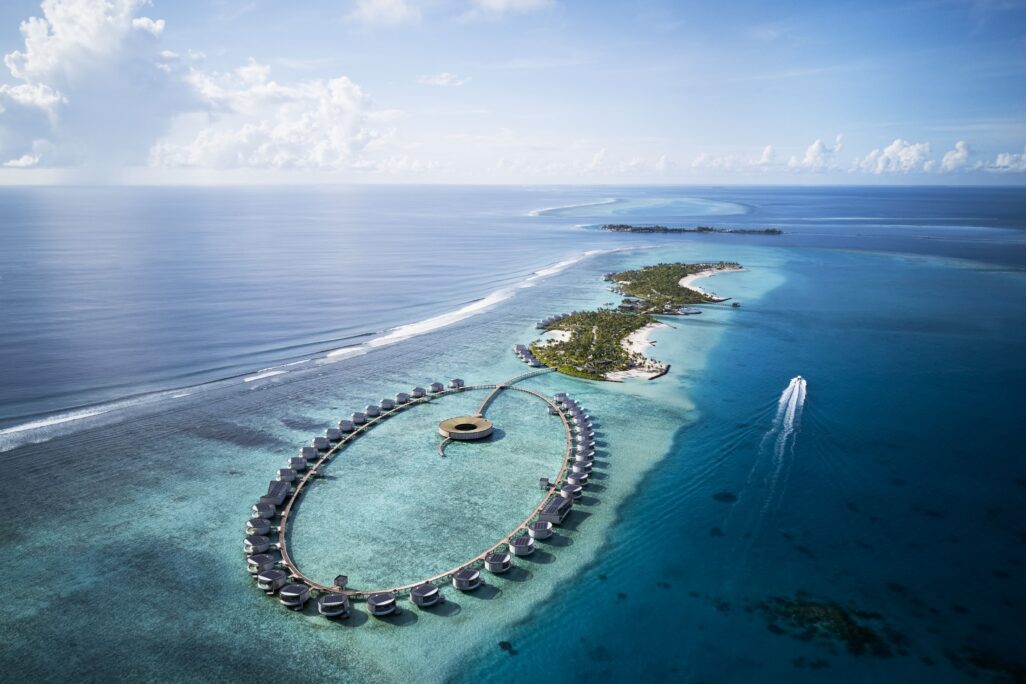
x: 512, y: 91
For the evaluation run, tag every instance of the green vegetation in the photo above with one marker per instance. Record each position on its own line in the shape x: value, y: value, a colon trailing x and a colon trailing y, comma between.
x: 595, y: 346
x: 658, y: 287
x: 627, y: 228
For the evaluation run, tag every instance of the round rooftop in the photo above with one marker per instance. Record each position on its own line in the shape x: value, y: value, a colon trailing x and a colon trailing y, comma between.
x: 465, y: 427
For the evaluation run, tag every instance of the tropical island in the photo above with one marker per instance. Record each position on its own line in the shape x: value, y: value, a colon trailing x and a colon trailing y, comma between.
x: 665, y: 289
x: 609, y: 344
x: 628, y: 228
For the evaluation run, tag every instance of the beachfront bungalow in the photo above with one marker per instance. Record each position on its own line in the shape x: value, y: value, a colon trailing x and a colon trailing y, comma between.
x: 522, y: 545
x: 386, y: 404
x: 456, y: 383
x: 436, y: 387
x: 272, y: 580
x: 559, y: 396
x: 333, y: 606
x: 309, y: 453
x: 372, y: 410
x: 417, y: 392
x: 333, y: 434
x: 540, y: 529
x: 498, y: 562
x: 358, y: 418
x: 582, y: 466
x: 258, y: 526
x: 286, y: 475
x: 466, y: 579
x: 426, y: 595
x: 320, y: 443
x: 346, y: 426
x: 294, y: 596
x: 297, y: 463
x: 402, y: 397
x: 260, y: 562
x: 382, y: 604
x: 255, y: 543
x: 556, y: 509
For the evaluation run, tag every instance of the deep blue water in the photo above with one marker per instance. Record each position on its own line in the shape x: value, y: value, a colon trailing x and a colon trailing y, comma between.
x: 135, y: 423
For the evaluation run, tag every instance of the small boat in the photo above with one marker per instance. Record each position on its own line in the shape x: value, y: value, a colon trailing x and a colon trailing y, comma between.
x: 688, y: 311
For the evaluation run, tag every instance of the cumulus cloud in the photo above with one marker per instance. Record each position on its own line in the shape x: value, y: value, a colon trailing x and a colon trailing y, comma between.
x: 767, y: 159
x: 385, y: 12
x: 149, y: 25
x: 25, y: 161
x: 510, y: 6
x: 92, y: 85
x: 956, y: 159
x: 443, y: 79
x: 818, y: 156
x: 900, y: 156
x: 1008, y: 162
x: 253, y: 121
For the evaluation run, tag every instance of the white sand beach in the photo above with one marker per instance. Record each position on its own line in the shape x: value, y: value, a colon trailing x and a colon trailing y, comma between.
x: 689, y: 280
x: 638, y: 342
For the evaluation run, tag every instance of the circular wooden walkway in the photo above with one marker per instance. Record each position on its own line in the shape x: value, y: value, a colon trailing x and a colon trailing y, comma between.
x: 311, y: 473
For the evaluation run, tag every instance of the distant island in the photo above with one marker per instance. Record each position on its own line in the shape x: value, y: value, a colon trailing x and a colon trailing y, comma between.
x: 608, y: 344
x: 628, y: 228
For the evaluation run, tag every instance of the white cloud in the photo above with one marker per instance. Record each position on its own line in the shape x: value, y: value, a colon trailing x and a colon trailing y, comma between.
x: 37, y: 95
x: 767, y: 159
x: 25, y: 161
x: 956, y: 159
x: 819, y: 156
x: 385, y: 12
x: 92, y: 82
x: 510, y: 6
x: 443, y: 79
x: 254, y: 122
x: 1008, y: 162
x: 149, y: 25
x: 900, y: 156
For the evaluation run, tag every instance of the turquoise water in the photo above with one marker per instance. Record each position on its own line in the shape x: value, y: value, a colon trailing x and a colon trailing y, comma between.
x: 895, y: 492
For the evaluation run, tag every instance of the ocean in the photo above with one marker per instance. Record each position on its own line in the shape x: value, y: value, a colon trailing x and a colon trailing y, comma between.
x: 164, y: 350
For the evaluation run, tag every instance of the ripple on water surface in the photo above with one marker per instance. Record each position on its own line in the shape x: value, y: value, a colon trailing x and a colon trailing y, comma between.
x: 392, y: 511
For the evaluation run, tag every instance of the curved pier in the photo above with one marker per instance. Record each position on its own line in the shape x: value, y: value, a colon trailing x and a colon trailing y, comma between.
x: 551, y: 489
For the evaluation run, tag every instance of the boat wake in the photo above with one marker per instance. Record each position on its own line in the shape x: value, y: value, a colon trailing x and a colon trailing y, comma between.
x: 783, y: 435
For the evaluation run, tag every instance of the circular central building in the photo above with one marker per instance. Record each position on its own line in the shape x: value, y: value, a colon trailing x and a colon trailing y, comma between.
x: 465, y: 428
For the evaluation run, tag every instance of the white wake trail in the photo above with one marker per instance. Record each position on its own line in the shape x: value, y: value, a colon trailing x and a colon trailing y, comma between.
x: 786, y: 425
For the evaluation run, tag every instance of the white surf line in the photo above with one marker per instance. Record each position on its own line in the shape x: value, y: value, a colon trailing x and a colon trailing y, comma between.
x: 405, y: 332
x: 264, y: 374
x: 542, y: 212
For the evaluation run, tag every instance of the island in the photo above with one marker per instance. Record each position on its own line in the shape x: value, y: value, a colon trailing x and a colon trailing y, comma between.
x: 666, y: 289
x: 628, y: 228
x: 609, y: 343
